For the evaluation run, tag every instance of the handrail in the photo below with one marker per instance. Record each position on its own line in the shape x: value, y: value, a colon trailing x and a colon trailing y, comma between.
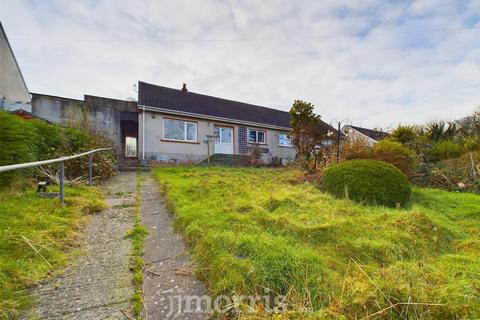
x: 61, y: 167
x: 56, y: 160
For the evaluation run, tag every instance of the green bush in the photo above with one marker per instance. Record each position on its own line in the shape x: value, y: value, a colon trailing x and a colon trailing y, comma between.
x: 60, y: 141
x: 388, y: 151
x: 445, y: 149
x: 32, y: 140
x: 397, y: 154
x: 78, y: 141
x: 51, y: 138
x: 405, y: 135
x: 367, y: 181
x: 18, y: 144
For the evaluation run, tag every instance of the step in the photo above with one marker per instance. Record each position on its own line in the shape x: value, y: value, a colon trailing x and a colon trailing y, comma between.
x: 227, y: 160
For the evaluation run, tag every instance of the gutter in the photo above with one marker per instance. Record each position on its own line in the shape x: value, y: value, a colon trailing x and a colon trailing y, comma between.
x: 200, y: 116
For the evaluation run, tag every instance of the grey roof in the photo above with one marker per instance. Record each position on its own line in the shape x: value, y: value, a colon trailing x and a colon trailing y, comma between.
x: 178, y: 100
x: 373, y: 134
x: 185, y: 101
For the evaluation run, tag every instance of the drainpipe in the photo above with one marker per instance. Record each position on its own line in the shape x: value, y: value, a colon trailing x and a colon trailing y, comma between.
x: 143, y: 135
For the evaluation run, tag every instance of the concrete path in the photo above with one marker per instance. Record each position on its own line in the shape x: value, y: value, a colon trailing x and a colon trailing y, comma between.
x: 170, y: 289
x: 98, y: 285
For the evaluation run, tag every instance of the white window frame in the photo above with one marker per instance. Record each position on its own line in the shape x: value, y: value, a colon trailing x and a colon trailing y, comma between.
x: 185, y: 122
x: 218, y: 139
x: 256, y: 136
x: 284, y: 145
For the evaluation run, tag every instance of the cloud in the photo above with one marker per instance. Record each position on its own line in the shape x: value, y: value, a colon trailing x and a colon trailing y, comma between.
x: 374, y: 62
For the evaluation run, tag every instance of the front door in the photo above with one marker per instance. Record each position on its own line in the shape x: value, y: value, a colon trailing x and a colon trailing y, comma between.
x: 223, y: 140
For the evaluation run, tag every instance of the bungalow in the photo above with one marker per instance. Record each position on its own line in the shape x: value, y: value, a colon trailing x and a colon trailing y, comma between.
x: 368, y: 136
x: 182, y: 126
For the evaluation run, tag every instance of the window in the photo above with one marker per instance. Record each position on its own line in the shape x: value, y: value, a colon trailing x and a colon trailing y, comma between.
x: 179, y: 130
x: 284, y: 140
x: 223, y: 135
x: 130, y: 146
x: 256, y: 136
x: 327, y: 142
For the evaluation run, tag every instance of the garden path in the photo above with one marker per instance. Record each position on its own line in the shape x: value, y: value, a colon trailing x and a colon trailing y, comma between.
x: 169, y: 283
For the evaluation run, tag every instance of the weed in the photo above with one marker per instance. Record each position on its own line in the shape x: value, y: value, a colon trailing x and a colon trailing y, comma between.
x: 137, y: 234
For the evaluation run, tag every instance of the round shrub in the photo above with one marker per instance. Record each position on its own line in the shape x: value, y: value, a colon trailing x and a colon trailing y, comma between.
x: 367, y: 181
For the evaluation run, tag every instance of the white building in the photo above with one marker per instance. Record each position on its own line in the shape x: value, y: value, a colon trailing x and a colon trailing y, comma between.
x: 14, y: 94
x: 368, y: 136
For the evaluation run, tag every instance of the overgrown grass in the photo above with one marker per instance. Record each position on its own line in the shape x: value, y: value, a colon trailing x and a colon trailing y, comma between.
x: 137, y: 234
x: 260, y: 231
x: 26, y: 221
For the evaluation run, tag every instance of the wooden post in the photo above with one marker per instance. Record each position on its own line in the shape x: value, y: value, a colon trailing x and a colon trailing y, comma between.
x: 474, y: 172
x: 208, y: 151
x: 210, y: 139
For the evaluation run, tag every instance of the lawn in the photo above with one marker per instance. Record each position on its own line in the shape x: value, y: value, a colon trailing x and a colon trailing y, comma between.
x: 29, y: 223
x: 263, y: 231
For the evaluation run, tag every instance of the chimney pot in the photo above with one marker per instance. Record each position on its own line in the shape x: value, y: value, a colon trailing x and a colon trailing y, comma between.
x: 184, y: 87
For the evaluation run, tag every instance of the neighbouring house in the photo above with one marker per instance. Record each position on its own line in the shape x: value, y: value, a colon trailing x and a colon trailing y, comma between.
x: 183, y: 126
x: 14, y: 93
x: 368, y: 136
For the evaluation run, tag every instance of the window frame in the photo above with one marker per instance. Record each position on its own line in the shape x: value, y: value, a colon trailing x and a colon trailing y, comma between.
x: 185, y: 122
x: 285, y: 145
x: 256, y: 136
x: 219, y: 127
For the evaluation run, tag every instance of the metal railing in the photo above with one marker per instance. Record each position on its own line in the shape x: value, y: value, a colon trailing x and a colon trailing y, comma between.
x: 61, y: 167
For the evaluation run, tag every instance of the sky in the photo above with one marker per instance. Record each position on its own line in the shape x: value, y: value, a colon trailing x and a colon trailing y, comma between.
x: 373, y: 63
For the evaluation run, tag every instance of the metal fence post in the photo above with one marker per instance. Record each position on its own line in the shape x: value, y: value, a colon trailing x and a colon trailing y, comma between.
x: 90, y: 170
x: 61, y: 180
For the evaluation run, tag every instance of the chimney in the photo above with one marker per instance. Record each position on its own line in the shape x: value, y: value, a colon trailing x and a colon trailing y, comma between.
x: 184, y: 87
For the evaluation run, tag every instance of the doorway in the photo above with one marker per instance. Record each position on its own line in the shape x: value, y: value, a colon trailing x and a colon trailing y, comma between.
x: 224, y: 140
x: 130, y: 147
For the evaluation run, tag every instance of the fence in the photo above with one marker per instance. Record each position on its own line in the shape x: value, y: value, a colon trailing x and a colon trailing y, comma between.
x: 61, y: 167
